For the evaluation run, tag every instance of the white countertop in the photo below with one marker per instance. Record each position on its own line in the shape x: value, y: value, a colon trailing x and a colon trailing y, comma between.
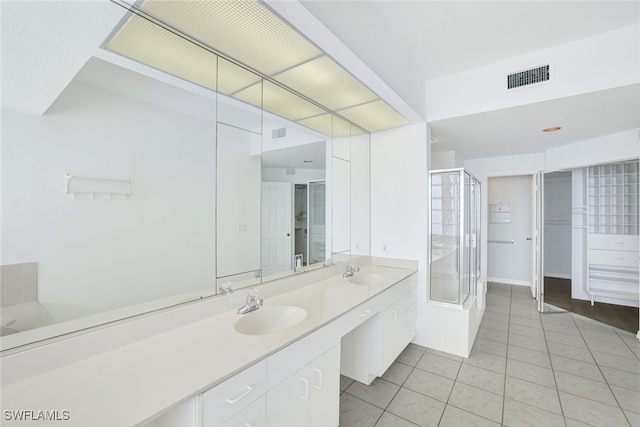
x: 133, y: 383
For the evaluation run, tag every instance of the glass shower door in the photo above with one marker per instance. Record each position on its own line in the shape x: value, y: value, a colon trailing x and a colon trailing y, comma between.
x: 445, y: 237
x: 454, y: 254
x: 316, y: 217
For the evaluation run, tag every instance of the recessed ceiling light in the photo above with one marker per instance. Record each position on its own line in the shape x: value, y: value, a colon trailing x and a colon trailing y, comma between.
x: 551, y: 129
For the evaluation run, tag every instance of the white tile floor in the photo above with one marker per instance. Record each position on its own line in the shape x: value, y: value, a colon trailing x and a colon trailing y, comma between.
x: 525, y: 369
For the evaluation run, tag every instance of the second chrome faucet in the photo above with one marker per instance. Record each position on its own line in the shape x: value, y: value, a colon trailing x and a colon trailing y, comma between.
x: 351, y: 270
x: 252, y: 303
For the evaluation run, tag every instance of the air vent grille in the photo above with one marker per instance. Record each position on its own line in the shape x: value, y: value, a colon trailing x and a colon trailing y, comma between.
x: 528, y: 77
x: 278, y: 133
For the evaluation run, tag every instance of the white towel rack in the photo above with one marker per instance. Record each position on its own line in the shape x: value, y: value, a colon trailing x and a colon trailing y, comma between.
x: 94, y: 186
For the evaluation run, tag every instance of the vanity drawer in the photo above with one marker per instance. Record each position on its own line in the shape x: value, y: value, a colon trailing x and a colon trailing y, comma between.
x: 618, y: 258
x: 295, y: 356
x: 358, y: 315
x: 614, y: 242
x: 228, y: 398
x: 403, y: 288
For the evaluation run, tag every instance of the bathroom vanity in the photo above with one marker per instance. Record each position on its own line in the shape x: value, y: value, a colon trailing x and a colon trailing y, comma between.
x: 272, y: 366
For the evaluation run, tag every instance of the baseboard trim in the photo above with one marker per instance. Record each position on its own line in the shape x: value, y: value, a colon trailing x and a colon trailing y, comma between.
x: 557, y: 276
x: 509, y: 281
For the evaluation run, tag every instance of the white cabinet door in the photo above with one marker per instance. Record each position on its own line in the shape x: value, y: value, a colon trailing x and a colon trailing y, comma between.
x: 397, y: 329
x: 288, y: 402
x: 309, y: 397
x: 254, y: 415
x: 324, y: 382
x: 389, y: 325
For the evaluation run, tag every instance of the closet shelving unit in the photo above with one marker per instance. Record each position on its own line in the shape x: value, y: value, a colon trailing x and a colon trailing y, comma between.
x: 613, y: 225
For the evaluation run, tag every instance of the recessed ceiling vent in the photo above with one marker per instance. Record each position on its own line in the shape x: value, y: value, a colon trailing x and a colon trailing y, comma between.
x: 528, y: 77
x: 278, y: 133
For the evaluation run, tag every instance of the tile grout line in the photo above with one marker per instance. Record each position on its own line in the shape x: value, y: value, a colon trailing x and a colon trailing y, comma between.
x: 401, y: 386
x: 506, y: 361
x: 553, y: 371
x: 602, y: 373
x: 627, y: 344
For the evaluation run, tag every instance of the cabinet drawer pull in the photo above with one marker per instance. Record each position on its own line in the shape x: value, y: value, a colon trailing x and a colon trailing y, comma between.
x: 306, y: 389
x: 240, y: 396
x: 395, y: 316
x: 365, y: 313
x: 400, y: 312
x: 619, y: 258
x: 319, y: 386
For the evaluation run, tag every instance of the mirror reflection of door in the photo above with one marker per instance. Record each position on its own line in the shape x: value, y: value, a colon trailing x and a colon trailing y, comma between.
x: 277, y: 227
x: 316, y: 220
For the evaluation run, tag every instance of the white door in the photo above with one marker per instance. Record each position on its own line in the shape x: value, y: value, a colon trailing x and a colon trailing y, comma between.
x: 510, y: 232
x: 537, y: 288
x: 277, y: 227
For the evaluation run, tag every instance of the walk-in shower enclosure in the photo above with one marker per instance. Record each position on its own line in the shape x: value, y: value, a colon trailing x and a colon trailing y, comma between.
x: 454, y: 235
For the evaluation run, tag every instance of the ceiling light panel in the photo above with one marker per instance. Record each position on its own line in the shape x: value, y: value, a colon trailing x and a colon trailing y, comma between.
x: 251, y: 95
x: 340, y: 127
x: 284, y: 103
x: 244, y: 30
x: 374, y: 116
x: 327, y: 83
x: 233, y: 78
x: 322, y: 123
x: 157, y: 47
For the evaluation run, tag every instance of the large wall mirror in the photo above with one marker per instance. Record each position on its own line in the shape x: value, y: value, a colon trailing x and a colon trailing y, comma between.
x: 138, y: 190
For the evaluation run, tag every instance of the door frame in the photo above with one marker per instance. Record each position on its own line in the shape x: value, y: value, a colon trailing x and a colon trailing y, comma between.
x: 537, y: 231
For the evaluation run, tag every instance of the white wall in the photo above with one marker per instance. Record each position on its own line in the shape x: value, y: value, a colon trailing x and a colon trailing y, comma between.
x: 591, y: 64
x: 605, y: 149
x: 443, y: 160
x: 300, y: 176
x: 557, y: 225
x: 98, y: 255
x: 399, y: 202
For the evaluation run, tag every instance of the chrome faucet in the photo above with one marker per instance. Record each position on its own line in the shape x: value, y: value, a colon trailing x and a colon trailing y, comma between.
x: 351, y: 270
x: 252, y: 303
x: 225, y: 288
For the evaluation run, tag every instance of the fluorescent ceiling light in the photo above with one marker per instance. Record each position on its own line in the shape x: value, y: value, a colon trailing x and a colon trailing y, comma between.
x: 253, y: 39
x: 153, y: 45
x: 322, y: 123
x: 327, y: 83
x: 374, y: 116
x: 233, y: 78
x: 245, y: 30
x: 286, y: 104
x: 340, y: 127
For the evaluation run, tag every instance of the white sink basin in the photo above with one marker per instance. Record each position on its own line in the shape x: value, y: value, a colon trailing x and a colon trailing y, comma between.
x: 272, y: 319
x: 367, y: 279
